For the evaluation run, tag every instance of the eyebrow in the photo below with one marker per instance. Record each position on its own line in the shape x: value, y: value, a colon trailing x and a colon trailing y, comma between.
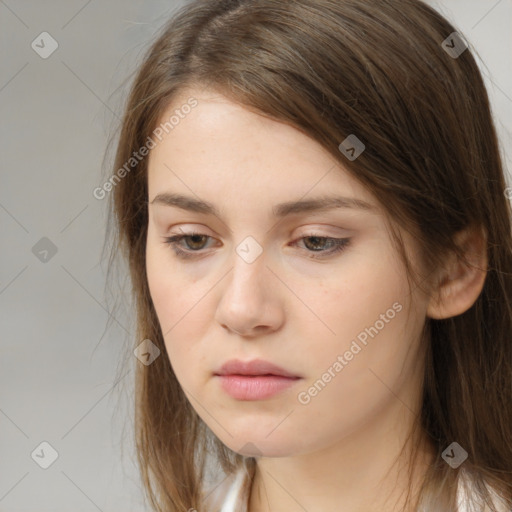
x: 280, y: 210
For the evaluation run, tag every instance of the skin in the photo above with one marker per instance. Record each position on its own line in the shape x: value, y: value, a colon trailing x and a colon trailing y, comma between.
x: 288, y: 308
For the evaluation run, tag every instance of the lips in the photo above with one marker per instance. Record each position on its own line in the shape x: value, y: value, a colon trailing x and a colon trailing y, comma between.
x: 254, y: 380
x: 253, y: 368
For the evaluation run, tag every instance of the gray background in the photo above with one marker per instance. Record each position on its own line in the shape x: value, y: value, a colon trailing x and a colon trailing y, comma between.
x: 65, y: 378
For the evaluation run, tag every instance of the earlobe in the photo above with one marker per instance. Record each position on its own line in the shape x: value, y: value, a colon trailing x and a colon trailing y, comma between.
x: 461, y: 282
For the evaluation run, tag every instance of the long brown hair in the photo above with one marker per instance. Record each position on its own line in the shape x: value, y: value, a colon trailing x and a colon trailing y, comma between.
x: 331, y: 69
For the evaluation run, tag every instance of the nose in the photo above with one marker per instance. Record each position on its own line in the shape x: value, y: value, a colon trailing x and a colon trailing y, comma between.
x: 250, y: 304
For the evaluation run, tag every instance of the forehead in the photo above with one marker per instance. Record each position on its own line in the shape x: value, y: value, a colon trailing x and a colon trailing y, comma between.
x: 222, y: 150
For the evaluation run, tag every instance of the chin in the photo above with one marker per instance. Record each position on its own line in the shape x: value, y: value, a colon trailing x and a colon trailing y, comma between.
x: 259, y: 445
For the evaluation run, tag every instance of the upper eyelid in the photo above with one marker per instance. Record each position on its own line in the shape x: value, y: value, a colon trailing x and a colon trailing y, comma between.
x: 309, y: 233
x: 346, y: 232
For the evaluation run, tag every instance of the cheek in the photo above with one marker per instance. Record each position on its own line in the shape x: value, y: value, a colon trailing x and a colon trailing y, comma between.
x: 353, y: 298
x: 350, y: 381
x: 175, y: 293
x: 362, y: 319
x: 178, y: 303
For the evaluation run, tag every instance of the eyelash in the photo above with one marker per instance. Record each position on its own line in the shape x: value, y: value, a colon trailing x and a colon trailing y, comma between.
x: 339, y: 245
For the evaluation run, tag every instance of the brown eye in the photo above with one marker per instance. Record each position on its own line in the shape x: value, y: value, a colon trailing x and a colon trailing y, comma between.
x: 317, y: 243
x: 197, y: 243
x: 324, y: 246
x: 316, y: 246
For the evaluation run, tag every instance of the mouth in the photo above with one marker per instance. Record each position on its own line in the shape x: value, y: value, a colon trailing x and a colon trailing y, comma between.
x: 254, y: 380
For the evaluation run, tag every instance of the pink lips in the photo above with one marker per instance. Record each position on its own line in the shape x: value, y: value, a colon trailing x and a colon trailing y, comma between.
x: 254, y: 380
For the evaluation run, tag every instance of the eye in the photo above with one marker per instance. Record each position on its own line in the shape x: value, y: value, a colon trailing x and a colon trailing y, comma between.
x: 197, y: 240
x: 334, y: 245
x: 324, y: 246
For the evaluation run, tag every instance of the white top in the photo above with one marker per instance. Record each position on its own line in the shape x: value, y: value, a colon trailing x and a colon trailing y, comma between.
x: 228, y: 495
x: 233, y: 494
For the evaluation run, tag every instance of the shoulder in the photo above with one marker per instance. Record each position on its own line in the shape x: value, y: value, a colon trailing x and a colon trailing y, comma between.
x: 227, y: 495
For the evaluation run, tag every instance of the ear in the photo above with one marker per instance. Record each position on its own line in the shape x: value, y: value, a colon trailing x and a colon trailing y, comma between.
x: 460, y: 284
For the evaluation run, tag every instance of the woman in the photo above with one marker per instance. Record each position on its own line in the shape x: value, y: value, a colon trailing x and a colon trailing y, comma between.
x: 319, y: 241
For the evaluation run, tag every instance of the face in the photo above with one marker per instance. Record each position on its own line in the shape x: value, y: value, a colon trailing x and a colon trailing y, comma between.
x: 318, y: 292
